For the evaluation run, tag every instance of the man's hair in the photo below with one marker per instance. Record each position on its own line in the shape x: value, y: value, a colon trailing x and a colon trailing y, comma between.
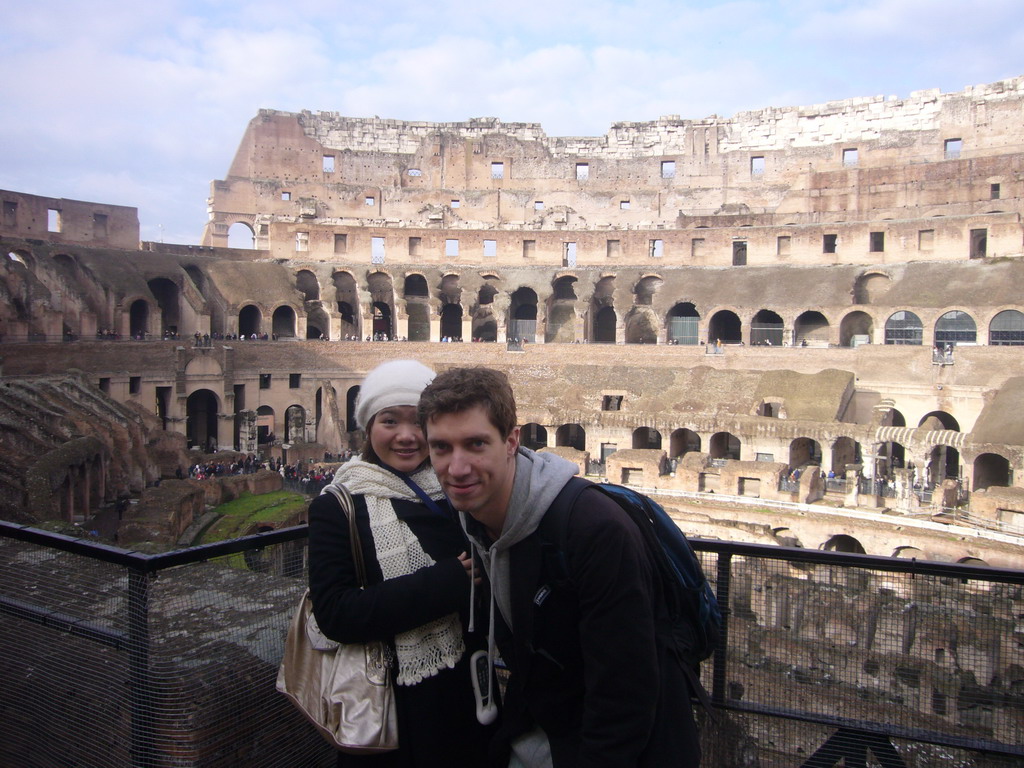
x: 460, y: 389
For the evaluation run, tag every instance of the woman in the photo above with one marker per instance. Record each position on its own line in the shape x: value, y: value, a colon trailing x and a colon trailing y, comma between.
x: 417, y: 570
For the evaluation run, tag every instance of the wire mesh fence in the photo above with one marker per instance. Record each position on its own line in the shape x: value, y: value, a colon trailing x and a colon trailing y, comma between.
x: 112, y: 658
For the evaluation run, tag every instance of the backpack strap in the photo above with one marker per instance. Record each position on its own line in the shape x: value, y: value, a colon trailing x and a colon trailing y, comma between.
x: 554, y: 526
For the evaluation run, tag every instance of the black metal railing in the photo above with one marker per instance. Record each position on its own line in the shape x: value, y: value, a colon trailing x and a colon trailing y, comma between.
x: 120, y: 658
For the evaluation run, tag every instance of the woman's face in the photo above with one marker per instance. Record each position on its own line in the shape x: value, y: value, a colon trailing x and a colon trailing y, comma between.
x: 397, y: 439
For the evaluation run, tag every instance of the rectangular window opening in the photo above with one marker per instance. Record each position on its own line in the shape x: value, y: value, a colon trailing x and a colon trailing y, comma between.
x: 657, y: 248
x: 979, y: 243
x: 614, y: 249
x: 850, y: 157
x: 876, y: 242
x: 739, y: 253
x: 582, y: 171
x: 104, y: 385
x: 415, y: 246
x: 302, y: 241
x: 341, y: 243
x: 569, y: 254
x: 328, y: 163
x: 10, y: 213
x: 538, y: 205
x: 925, y: 239
x: 757, y: 166
x: 451, y: 247
x: 783, y: 245
x: 993, y: 192
x: 668, y: 169
x: 490, y: 249
x: 456, y: 203
x: 624, y: 205
x: 829, y: 243
x: 286, y: 196
x: 294, y: 380
x: 611, y: 402
x: 376, y: 250
x: 369, y: 200
x: 497, y: 170
x: 529, y: 249
x: 265, y: 380
x: 53, y: 222
x: 414, y: 172
x: 697, y: 247
x: 952, y: 148
x: 99, y: 226
x: 134, y: 385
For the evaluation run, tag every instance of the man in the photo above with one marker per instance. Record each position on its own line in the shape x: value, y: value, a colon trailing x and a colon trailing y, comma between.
x: 590, y: 684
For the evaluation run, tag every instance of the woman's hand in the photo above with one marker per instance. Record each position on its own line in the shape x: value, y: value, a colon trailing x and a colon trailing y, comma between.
x: 467, y: 563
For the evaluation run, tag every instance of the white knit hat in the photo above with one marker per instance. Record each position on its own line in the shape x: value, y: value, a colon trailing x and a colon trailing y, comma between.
x: 396, y: 382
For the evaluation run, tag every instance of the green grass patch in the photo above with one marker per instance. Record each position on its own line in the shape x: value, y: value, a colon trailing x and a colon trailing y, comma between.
x: 241, y: 516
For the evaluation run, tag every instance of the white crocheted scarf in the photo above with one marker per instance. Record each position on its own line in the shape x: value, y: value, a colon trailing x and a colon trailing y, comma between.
x: 426, y: 650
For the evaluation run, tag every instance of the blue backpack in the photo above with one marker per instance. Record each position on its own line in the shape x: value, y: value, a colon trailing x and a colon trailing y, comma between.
x: 694, y: 621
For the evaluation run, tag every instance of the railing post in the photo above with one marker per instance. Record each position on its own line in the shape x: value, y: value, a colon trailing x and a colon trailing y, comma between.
x: 721, y: 656
x: 140, y: 681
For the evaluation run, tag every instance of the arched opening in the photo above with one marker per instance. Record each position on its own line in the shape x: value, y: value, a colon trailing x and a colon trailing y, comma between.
x: 683, y: 324
x: 725, y: 326
x: 138, y: 321
x: 955, y: 327
x: 265, y: 425
x: 724, y: 445
x: 938, y: 420
x: 250, y: 320
x: 533, y: 436
x: 451, y: 322
x: 166, y: 294
x: 307, y: 285
x: 523, y: 314
x: 904, y: 327
x: 350, y: 408
x: 646, y: 437
x: 201, y: 412
x: 772, y: 409
x: 381, y: 314
x: 870, y: 287
x: 641, y: 326
x: 683, y: 441
x: 644, y: 290
x: 855, y: 329
x: 317, y: 323
x: 766, y: 329
x: 349, y: 328
x: 284, y: 322
x: 486, y: 294
x: 943, y: 462
x: 346, y: 300
x: 561, y: 324
x: 604, y: 326
x: 240, y: 235
x: 1007, y: 329
x: 295, y: 424
x: 571, y: 436
x: 416, y: 285
x: 843, y: 543
x: 845, y: 451
x: 811, y: 328
x: 991, y: 470
x: 419, y: 321
x: 804, y: 451
x: 909, y: 553
x: 890, y: 456
x: 485, y: 328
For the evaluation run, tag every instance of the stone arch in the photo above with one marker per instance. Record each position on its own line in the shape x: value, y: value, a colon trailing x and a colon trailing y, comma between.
x: 415, y: 285
x: 766, y: 329
x: 856, y: 328
x: 241, y: 235
x: 533, y: 436
x: 382, y: 324
x: 138, y: 319
x: 641, y: 326
x: 283, y: 322
x: 804, y: 451
x: 350, y: 408
x: 523, y: 315
x: 382, y: 304
x: 725, y: 326
x: 604, y: 318
x: 346, y: 299
x: 683, y: 324
x: 845, y: 451
x: 909, y: 552
x: 167, y: 295
x: 991, y: 470
x: 571, y: 436
x: 1007, y: 329
x: 724, y: 445
x: 250, y: 320
x: 485, y: 327
x: 451, y: 322
x: 317, y: 323
x: 647, y: 437
x: 561, y: 324
x: 265, y: 418
x: 870, y: 287
x: 295, y: 424
x: 955, y: 327
x: 307, y: 285
x: 202, y: 409
x: 772, y: 408
x: 605, y: 323
x: 786, y: 537
x: 842, y: 542
x: 683, y: 441
x: 811, y: 327
x: 644, y: 290
x: 904, y: 327
x: 935, y: 420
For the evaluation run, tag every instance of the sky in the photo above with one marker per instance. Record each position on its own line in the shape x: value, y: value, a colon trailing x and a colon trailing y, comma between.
x: 144, y: 104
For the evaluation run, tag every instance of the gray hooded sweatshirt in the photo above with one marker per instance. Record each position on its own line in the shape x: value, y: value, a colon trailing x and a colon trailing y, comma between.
x: 539, y: 479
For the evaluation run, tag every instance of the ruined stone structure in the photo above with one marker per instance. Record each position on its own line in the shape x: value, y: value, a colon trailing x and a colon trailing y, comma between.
x: 693, y: 305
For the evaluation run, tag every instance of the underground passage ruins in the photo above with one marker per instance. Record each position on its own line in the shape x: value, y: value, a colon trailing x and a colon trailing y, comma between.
x: 814, y: 304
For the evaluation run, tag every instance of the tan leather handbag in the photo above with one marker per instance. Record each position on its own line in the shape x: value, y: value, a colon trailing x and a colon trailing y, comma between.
x: 344, y: 689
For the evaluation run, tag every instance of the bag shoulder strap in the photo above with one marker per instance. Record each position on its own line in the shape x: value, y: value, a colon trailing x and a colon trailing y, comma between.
x: 348, y: 508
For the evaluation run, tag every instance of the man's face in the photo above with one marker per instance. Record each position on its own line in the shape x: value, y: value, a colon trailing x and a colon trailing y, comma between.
x: 474, y: 463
